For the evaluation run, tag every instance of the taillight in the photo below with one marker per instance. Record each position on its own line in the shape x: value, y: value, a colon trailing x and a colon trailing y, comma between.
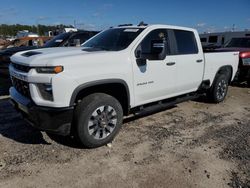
x: 245, y: 55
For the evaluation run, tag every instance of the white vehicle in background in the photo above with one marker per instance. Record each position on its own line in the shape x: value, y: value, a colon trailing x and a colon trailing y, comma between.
x: 87, y: 91
x: 217, y: 40
x: 26, y: 33
x: 70, y: 29
x: 62, y: 30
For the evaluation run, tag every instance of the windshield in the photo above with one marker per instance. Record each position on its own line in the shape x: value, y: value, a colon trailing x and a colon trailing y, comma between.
x: 239, y: 42
x: 57, y: 40
x: 113, y: 39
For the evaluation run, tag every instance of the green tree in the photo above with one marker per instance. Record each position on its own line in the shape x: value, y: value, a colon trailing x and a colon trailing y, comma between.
x: 11, y: 30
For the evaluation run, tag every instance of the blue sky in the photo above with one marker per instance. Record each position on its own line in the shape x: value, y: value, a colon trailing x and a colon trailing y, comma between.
x: 209, y: 15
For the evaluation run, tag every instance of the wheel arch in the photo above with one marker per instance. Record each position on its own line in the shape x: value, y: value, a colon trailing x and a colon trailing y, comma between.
x: 117, y: 88
x: 227, y: 69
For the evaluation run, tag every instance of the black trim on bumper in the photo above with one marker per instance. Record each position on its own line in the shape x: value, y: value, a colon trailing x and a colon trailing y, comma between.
x: 54, y: 120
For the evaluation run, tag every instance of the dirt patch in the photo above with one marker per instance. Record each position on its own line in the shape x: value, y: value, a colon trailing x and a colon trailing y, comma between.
x: 237, y: 182
x: 194, y: 144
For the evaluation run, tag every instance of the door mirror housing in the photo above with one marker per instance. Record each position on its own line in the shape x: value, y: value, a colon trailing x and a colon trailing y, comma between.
x: 140, y: 59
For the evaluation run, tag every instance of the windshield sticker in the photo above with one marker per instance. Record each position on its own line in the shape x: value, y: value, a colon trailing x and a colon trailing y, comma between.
x: 59, y: 40
x: 131, y: 30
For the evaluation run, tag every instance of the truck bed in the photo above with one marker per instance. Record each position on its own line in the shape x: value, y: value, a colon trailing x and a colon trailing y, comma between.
x: 214, y: 61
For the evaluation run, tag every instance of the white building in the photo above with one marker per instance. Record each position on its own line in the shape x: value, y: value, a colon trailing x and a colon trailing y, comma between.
x: 26, y: 33
x: 221, y: 38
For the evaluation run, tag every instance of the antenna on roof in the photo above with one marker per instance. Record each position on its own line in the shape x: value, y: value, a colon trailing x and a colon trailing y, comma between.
x: 233, y: 28
x: 142, y: 24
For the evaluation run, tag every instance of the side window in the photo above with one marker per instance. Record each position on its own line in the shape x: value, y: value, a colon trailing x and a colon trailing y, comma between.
x: 154, y: 46
x: 185, y: 42
x: 156, y: 36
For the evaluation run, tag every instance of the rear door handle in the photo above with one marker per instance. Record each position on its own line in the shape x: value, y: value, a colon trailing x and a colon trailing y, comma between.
x: 199, y: 60
x: 170, y: 63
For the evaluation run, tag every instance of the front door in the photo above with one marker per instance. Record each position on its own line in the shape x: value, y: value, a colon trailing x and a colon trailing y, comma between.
x: 153, y: 79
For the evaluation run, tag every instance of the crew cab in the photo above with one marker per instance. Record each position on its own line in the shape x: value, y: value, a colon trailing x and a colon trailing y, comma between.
x: 87, y: 91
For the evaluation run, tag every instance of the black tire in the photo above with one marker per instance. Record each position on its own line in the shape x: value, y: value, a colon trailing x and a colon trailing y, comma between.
x: 248, y: 82
x: 219, y: 89
x: 98, y: 119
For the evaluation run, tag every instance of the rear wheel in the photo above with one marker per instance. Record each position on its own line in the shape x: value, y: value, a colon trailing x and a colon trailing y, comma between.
x: 248, y: 82
x: 219, y: 89
x: 98, y: 119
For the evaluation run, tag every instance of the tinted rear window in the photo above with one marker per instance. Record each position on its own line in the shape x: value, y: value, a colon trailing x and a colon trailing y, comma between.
x: 239, y: 42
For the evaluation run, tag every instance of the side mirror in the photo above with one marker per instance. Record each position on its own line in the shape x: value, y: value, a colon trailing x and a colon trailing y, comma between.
x: 138, y: 54
x: 140, y: 60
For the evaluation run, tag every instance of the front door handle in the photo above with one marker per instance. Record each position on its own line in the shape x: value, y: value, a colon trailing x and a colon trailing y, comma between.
x: 170, y: 63
x: 199, y: 60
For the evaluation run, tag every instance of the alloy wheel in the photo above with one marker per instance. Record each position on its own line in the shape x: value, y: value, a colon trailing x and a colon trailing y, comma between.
x: 102, y: 122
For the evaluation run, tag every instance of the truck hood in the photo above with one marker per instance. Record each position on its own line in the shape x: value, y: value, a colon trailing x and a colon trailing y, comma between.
x: 48, y: 56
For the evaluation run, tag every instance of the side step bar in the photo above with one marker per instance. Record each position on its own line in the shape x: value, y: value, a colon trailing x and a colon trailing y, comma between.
x: 160, y: 105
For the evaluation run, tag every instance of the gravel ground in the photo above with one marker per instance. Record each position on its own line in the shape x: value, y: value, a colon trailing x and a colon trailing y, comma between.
x: 194, y: 144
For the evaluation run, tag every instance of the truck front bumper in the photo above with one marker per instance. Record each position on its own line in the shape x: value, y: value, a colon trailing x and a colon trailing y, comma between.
x: 53, y: 120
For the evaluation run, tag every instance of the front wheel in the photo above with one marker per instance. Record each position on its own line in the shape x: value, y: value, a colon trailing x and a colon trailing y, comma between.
x: 98, y: 119
x: 219, y: 89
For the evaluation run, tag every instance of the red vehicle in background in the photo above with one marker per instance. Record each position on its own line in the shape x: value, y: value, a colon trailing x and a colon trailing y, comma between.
x: 242, y: 45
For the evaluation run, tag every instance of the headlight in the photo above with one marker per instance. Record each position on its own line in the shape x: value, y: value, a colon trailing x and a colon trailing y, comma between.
x: 50, y: 70
x: 246, y: 61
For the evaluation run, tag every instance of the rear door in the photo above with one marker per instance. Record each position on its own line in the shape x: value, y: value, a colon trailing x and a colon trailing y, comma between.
x: 189, y: 61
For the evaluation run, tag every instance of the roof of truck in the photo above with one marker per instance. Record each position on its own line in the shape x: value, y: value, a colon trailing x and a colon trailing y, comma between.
x: 155, y: 26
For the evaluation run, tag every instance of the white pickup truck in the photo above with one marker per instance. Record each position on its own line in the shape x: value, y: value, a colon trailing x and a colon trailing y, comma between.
x: 86, y: 91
